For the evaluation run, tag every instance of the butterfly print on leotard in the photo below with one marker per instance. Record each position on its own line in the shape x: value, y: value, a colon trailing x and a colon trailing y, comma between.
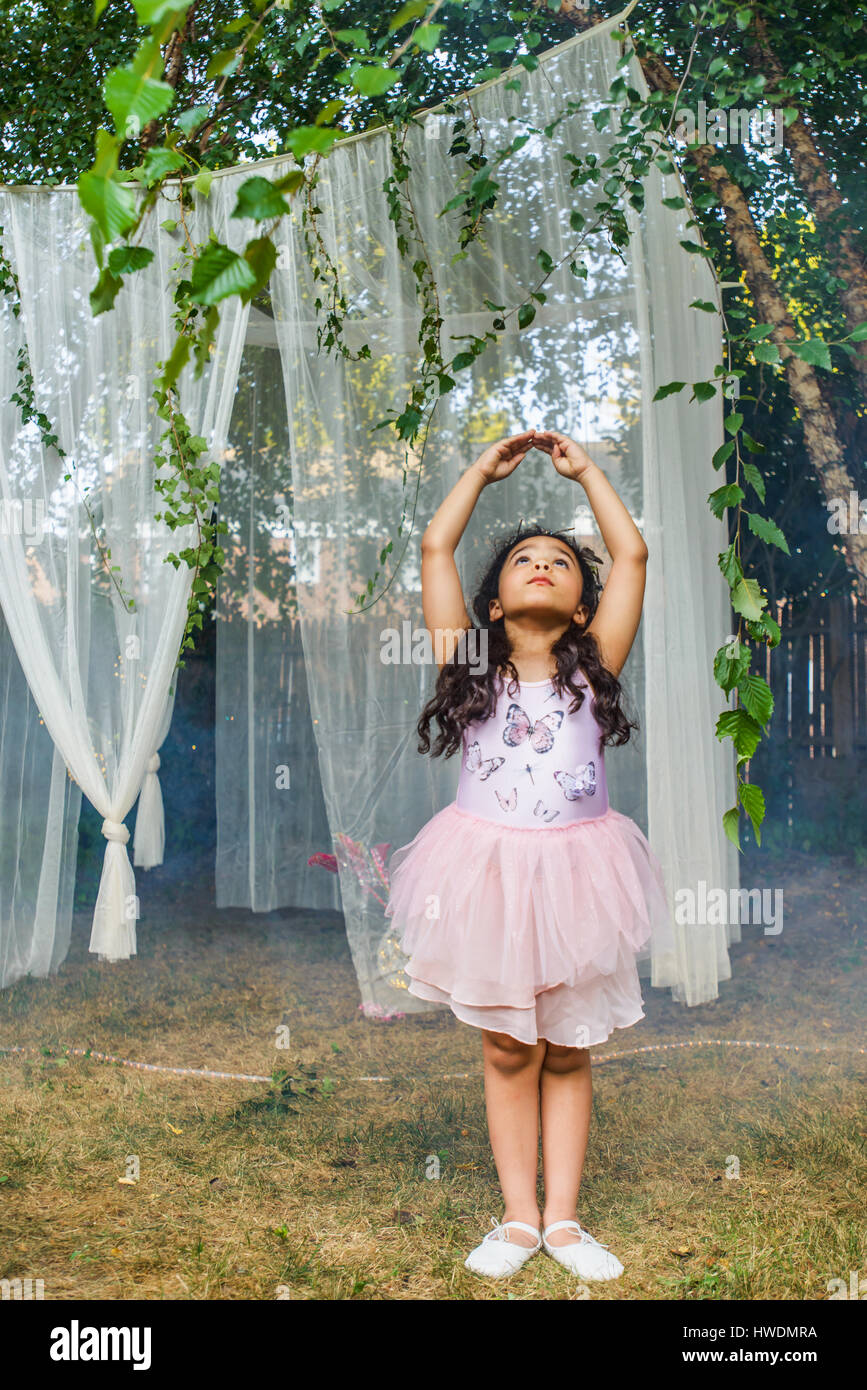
x: 541, y: 734
x: 583, y: 783
x: 540, y: 809
x: 508, y: 803
x: 474, y: 762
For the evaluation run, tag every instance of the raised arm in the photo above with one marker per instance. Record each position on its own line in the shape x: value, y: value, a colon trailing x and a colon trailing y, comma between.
x: 616, y: 620
x: 443, y: 603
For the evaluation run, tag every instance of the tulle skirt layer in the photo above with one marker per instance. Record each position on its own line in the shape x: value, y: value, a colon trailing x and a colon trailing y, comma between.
x: 535, y: 933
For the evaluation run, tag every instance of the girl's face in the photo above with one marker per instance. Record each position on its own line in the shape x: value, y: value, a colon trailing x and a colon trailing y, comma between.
x: 540, y: 578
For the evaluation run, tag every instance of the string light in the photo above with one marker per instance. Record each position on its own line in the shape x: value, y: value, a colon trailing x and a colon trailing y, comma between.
x: 448, y: 1076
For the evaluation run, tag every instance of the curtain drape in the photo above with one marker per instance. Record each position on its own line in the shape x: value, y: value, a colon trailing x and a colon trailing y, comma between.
x: 589, y: 365
x: 316, y: 739
x: 271, y: 814
x: 97, y: 634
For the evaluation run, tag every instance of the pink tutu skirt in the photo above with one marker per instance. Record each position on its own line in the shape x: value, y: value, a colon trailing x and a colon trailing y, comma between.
x: 534, y: 933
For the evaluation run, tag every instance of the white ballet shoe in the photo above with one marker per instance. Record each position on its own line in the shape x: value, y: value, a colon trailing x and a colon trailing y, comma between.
x: 497, y: 1256
x: 585, y: 1256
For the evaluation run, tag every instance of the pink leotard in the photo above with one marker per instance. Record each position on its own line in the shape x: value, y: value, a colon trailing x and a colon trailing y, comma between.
x: 532, y: 764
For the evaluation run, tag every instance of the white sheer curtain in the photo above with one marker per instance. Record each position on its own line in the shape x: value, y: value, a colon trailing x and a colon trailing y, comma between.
x: 270, y: 810
x: 316, y: 741
x: 101, y: 673
x: 589, y: 364
x: 39, y: 810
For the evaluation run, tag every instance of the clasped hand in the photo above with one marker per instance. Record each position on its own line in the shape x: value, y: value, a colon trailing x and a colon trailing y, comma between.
x: 503, y: 458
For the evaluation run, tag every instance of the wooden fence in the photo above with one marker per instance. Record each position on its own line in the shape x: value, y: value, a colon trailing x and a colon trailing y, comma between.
x: 818, y: 676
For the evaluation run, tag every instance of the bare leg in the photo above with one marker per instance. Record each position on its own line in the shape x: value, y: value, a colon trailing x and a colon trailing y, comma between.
x: 512, y: 1104
x: 566, y: 1093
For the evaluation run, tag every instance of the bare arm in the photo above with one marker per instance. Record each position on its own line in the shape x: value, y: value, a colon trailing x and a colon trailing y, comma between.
x: 616, y: 620
x: 443, y: 603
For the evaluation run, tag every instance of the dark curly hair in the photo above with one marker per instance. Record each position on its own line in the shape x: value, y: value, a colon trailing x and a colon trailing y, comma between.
x: 463, y: 694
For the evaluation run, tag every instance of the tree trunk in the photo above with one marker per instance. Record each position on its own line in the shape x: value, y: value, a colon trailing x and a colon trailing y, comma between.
x: 174, y: 66
x: 842, y: 249
x: 820, y: 431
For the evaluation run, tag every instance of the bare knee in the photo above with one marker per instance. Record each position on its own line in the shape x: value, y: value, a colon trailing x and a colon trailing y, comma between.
x: 561, y: 1060
x: 507, y: 1054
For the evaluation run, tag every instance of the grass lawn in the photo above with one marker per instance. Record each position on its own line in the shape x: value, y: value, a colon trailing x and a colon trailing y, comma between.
x: 325, y: 1188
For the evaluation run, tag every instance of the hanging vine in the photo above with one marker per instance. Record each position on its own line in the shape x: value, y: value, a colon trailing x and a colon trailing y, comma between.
x: 211, y: 272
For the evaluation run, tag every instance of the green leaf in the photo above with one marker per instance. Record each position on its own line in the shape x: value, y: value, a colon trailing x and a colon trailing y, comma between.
x: 703, y: 390
x: 526, y: 314
x: 111, y: 206
x: 726, y: 496
x: 814, y: 351
x: 104, y: 293
x: 754, y: 478
x: 730, y: 825
x: 766, y: 352
x: 427, y: 36
x: 756, y: 698
x: 673, y: 203
x: 729, y: 668
x: 857, y: 335
x: 703, y: 304
x: 741, y: 728
x: 218, y: 273
x: 733, y: 422
x: 187, y: 121
x: 748, y: 599
x: 753, y: 802
x: 259, y: 199
x: 261, y: 256
x: 159, y: 162
x: 409, y: 11
x: 767, y: 531
x: 152, y: 11
x: 752, y: 444
x: 766, y: 626
x: 202, y: 182
x: 743, y: 18
x: 177, y: 360
x: 723, y: 452
x: 98, y: 7
x: 124, y: 259
x: 502, y: 43
x: 355, y: 36
x: 290, y: 181
x: 730, y: 565
x: 371, y: 80
x: 669, y: 390
x: 759, y: 331
x: 305, y: 139
x: 226, y: 61
x: 329, y: 111
x: 135, y: 99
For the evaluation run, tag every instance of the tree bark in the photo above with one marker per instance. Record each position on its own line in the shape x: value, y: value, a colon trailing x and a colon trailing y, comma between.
x: 174, y: 66
x: 820, y: 431
x: 842, y: 249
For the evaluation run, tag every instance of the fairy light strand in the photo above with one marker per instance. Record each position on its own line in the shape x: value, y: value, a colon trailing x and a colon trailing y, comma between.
x: 89, y: 1054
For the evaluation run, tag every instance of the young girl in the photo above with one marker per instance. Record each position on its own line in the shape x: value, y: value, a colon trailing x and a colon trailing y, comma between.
x: 524, y: 903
